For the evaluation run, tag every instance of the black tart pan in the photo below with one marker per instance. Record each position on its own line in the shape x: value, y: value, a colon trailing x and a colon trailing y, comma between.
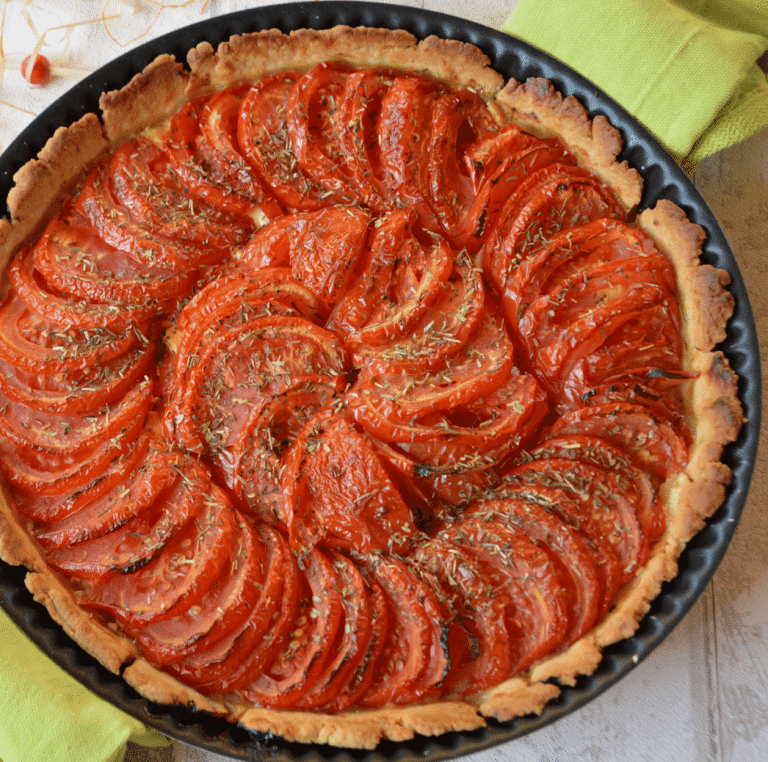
x: 663, y: 180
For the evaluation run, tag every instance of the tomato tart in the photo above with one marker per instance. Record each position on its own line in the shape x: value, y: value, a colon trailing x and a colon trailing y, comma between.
x: 345, y: 393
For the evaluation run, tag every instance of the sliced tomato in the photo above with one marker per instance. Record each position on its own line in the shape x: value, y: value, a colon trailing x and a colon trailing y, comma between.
x: 36, y: 345
x: 144, y: 183
x: 415, y: 660
x: 116, y: 226
x: 270, y: 628
x: 526, y: 583
x: 603, y: 515
x: 106, y: 511
x: 142, y: 538
x: 88, y: 390
x: 66, y: 312
x: 627, y: 478
x: 480, y: 611
x: 321, y: 247
x: 353, y: 643
x: 653, y: 445
x: 299, y: 668
x: 39, y: 434
x: 76, y: 262
x: 262, y: 133
x: 313, y: 132
x: 576, y: 569
x: 46, y: 474
x: 404, y: 133
x: 224, y: 608
x: 459, y: 119
x: 340, y: 494
x: 356, y: 127
x: 180, y: 577
x: 555, y: 198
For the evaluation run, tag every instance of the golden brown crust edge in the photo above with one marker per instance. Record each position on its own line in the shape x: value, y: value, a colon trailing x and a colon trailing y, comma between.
x: 156, y: 93
x: 538, y: 108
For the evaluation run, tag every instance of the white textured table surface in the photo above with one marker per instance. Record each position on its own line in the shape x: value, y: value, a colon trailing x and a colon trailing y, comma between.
x: 702, y: 696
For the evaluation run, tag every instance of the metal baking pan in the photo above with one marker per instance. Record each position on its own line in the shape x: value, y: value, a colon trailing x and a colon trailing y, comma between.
x: 663, y: 179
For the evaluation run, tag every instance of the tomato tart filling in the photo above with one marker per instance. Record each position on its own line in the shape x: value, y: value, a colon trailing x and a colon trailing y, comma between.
x: 347, y: 397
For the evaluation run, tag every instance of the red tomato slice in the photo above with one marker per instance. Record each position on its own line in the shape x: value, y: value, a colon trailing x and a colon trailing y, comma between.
x: 40, y: 434
x: 511, y: 567
x: 38, y: 296
x: 356, y: 125
x: 337, y: 492
x: 252, y: 467
x: 313, y: 132
x: 107, y: 511
x: 415, y: 660
x: 117, y: 228
x: 480, y: 611
x: 353, y: 644
x: 631, y: 481
x: 652, y: 445
x: 224, y: 608
x: 144, y: 183
x: 322, y: 248
x: 180, y: 577
x: 554, y: 198
x: 360, y: 681
x: 565, y: 547
x: 600, y: 513
x: 35, y: 345
x: 459, y: 119
x: 271, y: 625
x: 404, y: 132
x: 64, y: 474
x: 262, y: 133
x: 143, y: 537
x: 86, y: 391
x: 76, y: 262
x: 298, y: 669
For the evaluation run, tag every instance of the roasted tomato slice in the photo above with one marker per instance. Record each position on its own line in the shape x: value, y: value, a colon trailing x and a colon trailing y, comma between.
x: 353, y: 642
x: 180, y: 577
x: 39, y: 434
x: 554, y: 198
x: 404, y: 130
x: 565, y: 547
x: 299, y: 668
x: 651, y: 443
x: 145, y: 183
x: 35, y: 345
x: 270, y: 628
x: 601, y: 513
x: 40, y: 298
x: 321, y: 247
x: 133, y: 544
x: 75, y: 261
x: 253, y: 467
x: 627, y: 478
x: 415, y: 658
x: 224, y: 608
x: 337, y: 491
x: 476, y: 609
x: 459, y: 119
x: 313, y: 131
x: 262, y: 133
x: 356, y: 127
x: 522, y: 577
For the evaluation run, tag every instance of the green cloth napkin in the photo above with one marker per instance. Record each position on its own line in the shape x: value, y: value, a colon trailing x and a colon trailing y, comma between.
x: 687, y: 70
x: 47, y: 716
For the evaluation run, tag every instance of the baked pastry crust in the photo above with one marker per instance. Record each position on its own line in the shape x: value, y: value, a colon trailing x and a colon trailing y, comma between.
x: 711, y: 403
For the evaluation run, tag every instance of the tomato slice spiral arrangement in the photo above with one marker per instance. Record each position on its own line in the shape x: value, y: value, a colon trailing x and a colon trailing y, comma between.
x: 343, y: 392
